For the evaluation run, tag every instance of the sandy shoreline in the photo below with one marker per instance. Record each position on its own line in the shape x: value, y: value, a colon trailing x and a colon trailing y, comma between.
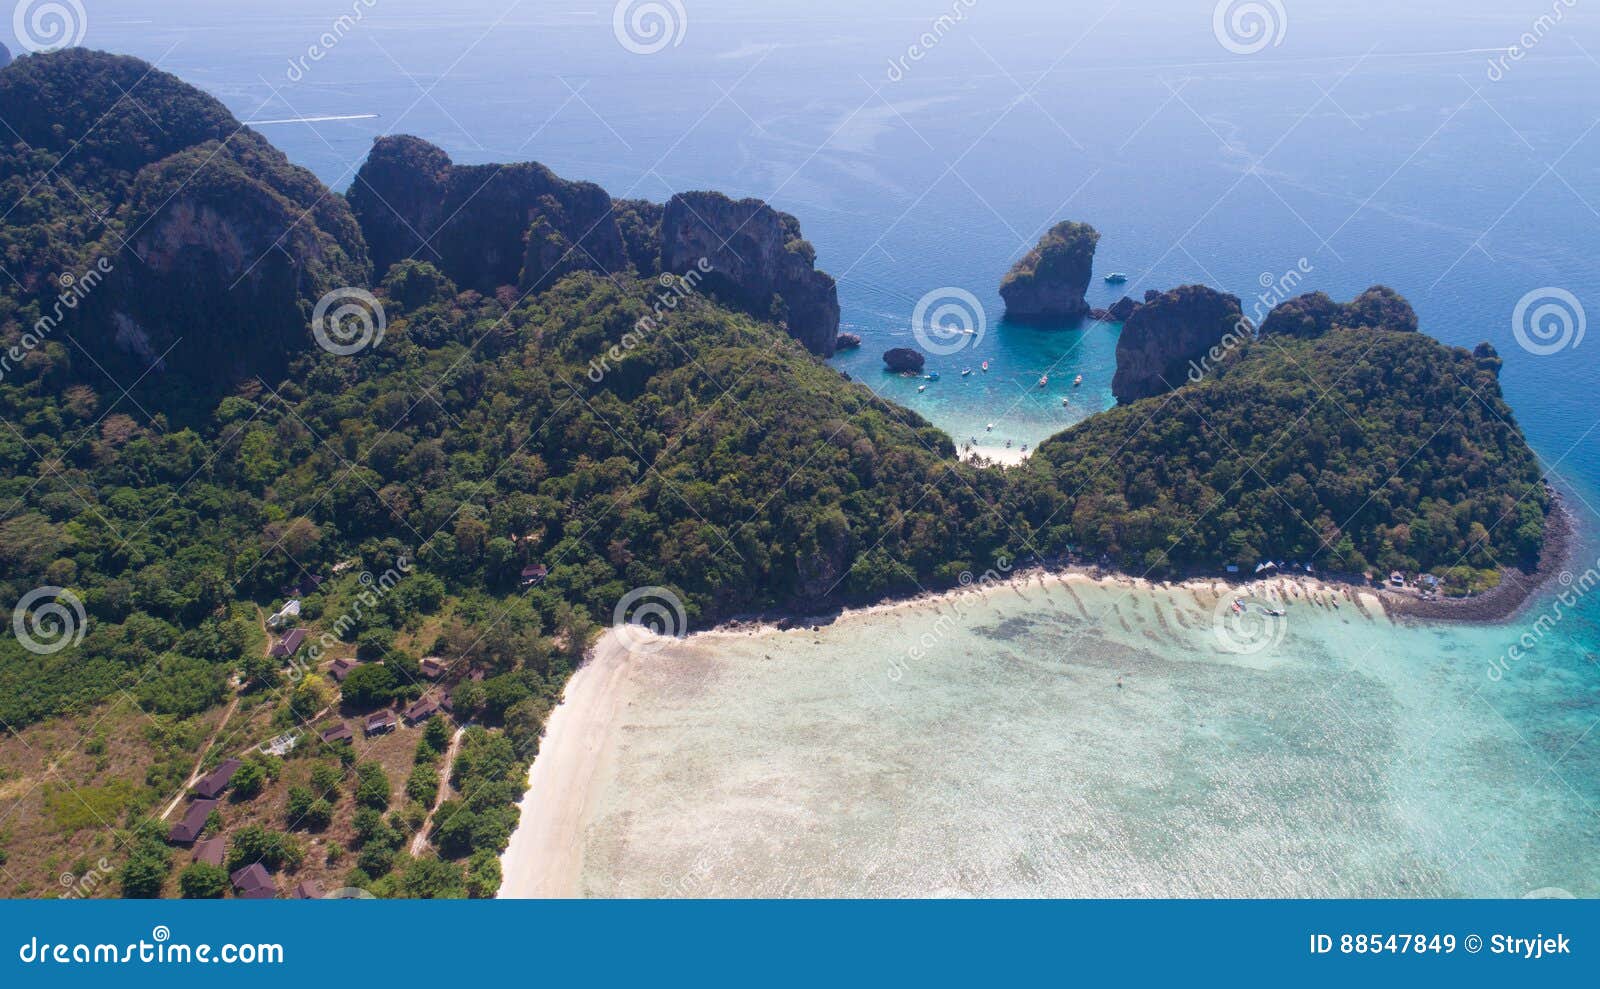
x: 1004, y: 456
x: 544, y: 858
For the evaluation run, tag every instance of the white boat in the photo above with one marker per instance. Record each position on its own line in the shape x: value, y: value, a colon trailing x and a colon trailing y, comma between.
x: 989, y: 428
x: 922, y: 388
x: 1077, y: 381
x: 1044, y: 380
x: 966, y: 371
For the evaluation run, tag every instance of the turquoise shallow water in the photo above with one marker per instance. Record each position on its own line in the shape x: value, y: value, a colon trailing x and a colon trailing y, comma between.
x: 1008, y: 395
x: 1352, y: 758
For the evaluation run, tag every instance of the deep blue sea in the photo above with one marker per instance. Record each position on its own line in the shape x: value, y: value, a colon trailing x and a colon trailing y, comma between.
x: 1364, y: 143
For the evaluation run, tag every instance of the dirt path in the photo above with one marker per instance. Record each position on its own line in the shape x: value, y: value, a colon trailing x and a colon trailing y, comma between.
x: 205, y: 750
x: 420, y: 842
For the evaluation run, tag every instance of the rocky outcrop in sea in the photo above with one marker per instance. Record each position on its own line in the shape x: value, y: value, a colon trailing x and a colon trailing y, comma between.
x: 1050, y: 281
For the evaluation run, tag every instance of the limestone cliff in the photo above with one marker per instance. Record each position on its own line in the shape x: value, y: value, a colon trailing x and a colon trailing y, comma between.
x: 487, y: 226
x: 759, y: 262
x: 1166, y: 334
x: 213, y: 248
x: 1050, y: 281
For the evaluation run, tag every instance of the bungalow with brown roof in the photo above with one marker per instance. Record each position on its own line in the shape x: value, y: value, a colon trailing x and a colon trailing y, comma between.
x: 289, y: 644
x: 380, y: 722
x: 254, y: 882
x: 341, y: 668
x: 194, y: 822
x: 339, y: 732
x: 433, y: 667
x: 210, y: 851
x: 422, y: 710
x: 213, y: 783
x: 533, y: 573
x: 308, y: 890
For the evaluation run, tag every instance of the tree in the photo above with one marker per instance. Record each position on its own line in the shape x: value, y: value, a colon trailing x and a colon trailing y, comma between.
x: 299, y: 801
x: 437, y: 734
x: 143, y: 875
x: 325, y: 778
x: 432, y: 879
x: 202, y: 881
x: 248, y: 780
x: 254, y: 843
x: 423, y: 784
x: 369, y: 685
x: 319, y: 815
x: 310, y: 696
x: 372, y: 786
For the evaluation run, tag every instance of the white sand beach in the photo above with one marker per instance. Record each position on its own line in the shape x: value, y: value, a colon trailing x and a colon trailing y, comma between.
x: 1006, y: 456
x: 545, y: 858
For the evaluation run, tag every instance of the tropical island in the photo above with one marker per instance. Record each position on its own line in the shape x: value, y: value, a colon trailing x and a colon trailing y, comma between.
x: 324, y: 571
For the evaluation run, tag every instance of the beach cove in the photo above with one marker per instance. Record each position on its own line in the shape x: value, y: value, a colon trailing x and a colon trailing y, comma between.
x: 1061, y: 735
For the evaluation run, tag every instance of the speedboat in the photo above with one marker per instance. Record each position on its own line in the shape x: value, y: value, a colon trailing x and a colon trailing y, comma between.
x: 966, y: 371
x: 989, y: 428
x: 1077, y: 381
x: 1116, y: 278
x: 922, y: 388
x: 1065, y: 400
x: 986, y: 365
x: 1044, y: 380
x: 933, y: 375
